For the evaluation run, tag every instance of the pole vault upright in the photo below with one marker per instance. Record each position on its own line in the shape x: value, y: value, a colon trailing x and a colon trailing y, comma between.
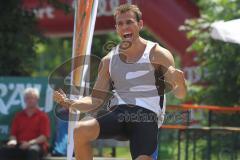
x: 84, y: 22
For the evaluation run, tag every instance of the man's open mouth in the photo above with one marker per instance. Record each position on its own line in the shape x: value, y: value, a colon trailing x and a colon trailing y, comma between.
x: 127, y: 35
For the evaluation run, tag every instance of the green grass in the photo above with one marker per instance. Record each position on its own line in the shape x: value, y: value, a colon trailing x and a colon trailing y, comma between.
x: 121, y: 152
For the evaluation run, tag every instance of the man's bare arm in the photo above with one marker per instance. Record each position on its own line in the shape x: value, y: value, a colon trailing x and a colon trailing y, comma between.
x: 162, y: 57
x: 100, y: 89
x: 12, y: 141
x: 40, y: 139
x: 99, y: 93
x: 26, y: 144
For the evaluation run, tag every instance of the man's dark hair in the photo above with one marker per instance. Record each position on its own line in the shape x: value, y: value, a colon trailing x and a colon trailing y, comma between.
x: 128, y: 7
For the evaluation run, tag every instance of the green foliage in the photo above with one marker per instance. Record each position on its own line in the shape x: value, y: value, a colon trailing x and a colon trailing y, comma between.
x: 17, y: 38
x: 219, y: 61
x: 51, y: 53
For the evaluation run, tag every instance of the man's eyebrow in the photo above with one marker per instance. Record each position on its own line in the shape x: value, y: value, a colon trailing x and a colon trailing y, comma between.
x: 130, y: 19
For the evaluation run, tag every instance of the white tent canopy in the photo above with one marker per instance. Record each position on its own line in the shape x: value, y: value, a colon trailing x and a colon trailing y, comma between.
x: 228, y: 31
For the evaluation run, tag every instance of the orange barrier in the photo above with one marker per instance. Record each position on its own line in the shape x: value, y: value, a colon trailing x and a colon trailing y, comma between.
x: 173, y: 127
x: 183, y: 127
x: 210, y: 108
x: 207, y: 130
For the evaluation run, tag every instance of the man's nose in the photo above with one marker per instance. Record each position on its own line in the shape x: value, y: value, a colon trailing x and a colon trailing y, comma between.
x: 125, y: 26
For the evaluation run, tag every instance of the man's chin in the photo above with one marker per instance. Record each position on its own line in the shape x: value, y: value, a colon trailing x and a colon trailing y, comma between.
x: 125, y: 44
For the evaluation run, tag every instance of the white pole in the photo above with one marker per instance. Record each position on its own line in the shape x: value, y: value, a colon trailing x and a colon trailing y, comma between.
x: 74, y: 114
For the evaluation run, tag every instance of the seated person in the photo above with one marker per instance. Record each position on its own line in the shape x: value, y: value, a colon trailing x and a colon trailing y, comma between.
x: 29, y: 132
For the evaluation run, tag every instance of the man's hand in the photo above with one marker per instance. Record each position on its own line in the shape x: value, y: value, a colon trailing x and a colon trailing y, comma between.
x: 24, y: 145
x: 60, y: 97
x: 176, y: 78
x: 12, y: 143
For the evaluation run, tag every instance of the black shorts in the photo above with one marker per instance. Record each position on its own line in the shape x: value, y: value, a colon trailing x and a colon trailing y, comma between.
x: 133, y: 123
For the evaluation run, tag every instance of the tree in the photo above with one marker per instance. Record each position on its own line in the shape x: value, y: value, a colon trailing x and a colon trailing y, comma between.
x: 219, y: 61
x: 18, y: 37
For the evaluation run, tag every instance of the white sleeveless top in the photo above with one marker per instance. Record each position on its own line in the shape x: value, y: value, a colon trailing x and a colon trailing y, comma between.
x: 137, y: 83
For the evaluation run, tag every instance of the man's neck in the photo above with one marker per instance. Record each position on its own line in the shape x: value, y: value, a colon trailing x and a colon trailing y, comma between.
x: 136, y: 45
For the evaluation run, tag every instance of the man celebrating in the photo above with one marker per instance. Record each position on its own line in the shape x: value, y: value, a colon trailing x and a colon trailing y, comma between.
x: 138, y: 75
x: 29, y: 132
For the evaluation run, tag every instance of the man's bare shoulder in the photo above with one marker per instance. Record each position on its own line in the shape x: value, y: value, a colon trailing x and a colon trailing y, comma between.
x: 104, y: 64
x: 162, y: 56
x: 106, y: 59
